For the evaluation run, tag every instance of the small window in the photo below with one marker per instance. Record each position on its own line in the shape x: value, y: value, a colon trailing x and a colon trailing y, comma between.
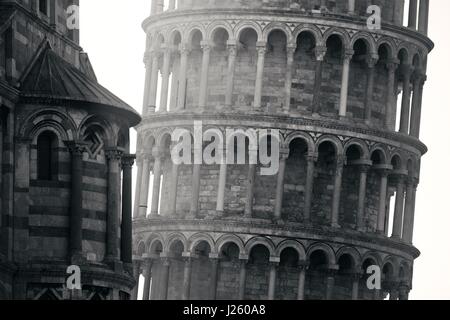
x: 43, y: 6
x: 47, y: 155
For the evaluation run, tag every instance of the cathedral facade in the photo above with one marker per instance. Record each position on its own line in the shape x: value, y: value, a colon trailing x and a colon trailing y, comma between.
x: 65, y: 167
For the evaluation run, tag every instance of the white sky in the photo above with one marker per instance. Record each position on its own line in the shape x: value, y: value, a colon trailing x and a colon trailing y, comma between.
x: 111, y: 34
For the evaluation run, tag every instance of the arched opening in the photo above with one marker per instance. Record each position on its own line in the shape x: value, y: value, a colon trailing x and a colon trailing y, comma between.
x: 47, y: 156
x: 287, y: 276
x: 381, y: 100
x: 244, y: 85
x: 303, y: 69
x: 201, y: 272
x: 295, y: 181
x: 151, y: 273
x: 332, y: 76
x: 228, y: 272
x: 324, y: 183
x: 275, y: 68
x: 387, y: 279
x: 257, y: 281
x: 316, y: 275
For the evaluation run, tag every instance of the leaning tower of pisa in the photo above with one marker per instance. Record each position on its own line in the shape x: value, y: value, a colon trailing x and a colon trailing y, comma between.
x: 345, y: 98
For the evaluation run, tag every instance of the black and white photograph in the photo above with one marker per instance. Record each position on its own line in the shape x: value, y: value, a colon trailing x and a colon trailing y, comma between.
x: 221, y: 156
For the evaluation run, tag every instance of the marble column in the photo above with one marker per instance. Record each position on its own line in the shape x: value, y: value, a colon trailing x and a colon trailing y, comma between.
x: 408, y: 223
x: 344, y: 83
x: 360, y: 221
x: 351, y: 6
x: 203, y: 95
x: 242, y: 279
x: 320, y: 55
x: 301, y: 281
x: 138, y: 187
x: 76, y: 200
x: 137, y: 274
x: 143, y: 198
x: 148, y: 277
x: 232, y: 53
x: 371, y: 63
x: 284, y: 155
x: 272, y: 280
x: 153, y: 91
x: 196, y: 184
x: 187, y: 277
x: 399, y: 207
x: 416, y: 112
x: 173, y: 194
x: 114, y: 157
x: 355, y: 285
x: 423, y: 16
x: 391, y: 105
x: 382, y: 203
x: 406, y: 99
x: 182, y: 82
x: 337, y: 191
x: 214, y: 276
x: 222, y: 186
x: 290, y: 51
x: 157, y: 172
x: 310, y: 160
x: 164, y: 101
x: 165, y: 272
x: 330, y: 281
x: 126, y: 234
x: 412, y: 16
x: 250, y: 191
x: 261, y: 49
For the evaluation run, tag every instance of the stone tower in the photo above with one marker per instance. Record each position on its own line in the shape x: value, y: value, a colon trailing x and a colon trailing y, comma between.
x: 64, y: 144
x: 345, y: 97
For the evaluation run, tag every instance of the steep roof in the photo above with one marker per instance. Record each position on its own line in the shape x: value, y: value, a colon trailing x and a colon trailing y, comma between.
x: 51, y: 77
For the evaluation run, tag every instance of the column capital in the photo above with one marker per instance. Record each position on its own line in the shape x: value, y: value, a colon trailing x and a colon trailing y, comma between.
x: 290, y: 48
x: 205, y: 45
x: 113, y: 153
x: 392, y: 64
x: 261, y: 48
x: 284, y: 153
x: 232, y: 48
x: 372, y: 60
x: 320, y: 52
x: 419, y: 77
x: 184, y: 48
x: 157, y: 153
x: 128, y: 160
x: 341, y: 160
x: 348, y: 54
x: 76, y: 147
x: 313, y: 157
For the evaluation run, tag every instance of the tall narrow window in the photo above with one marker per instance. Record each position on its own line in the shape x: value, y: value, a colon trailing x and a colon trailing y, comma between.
x: 47, y: 156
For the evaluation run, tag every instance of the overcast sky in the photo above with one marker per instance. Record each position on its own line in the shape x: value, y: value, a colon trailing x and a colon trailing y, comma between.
x: 111, y: 33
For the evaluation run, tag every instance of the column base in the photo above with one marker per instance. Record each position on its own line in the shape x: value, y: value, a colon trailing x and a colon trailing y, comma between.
x: 154, y: 216
x: 335, y: 226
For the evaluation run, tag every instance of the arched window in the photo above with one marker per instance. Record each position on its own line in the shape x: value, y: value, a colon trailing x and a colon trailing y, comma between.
x: 47, y: 156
